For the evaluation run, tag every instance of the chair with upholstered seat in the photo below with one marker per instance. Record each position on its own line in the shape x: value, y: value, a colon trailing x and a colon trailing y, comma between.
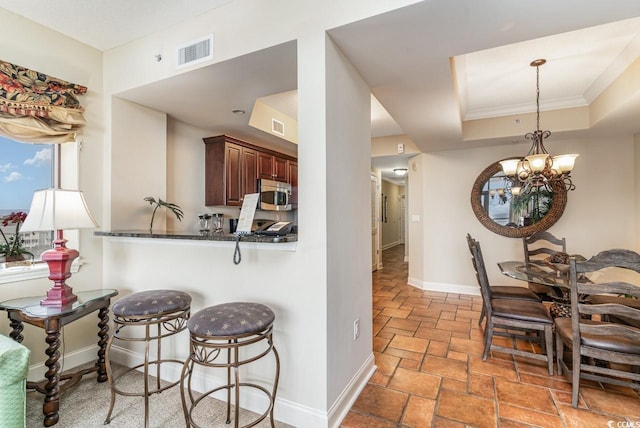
x: 505, y: 291
x: 616, y: 346
x: 519, y: 320
x: 516, y: 319
x: 537, y: 247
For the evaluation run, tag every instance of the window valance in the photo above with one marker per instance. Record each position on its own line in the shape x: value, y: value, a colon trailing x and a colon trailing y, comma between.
x: 36, y: 108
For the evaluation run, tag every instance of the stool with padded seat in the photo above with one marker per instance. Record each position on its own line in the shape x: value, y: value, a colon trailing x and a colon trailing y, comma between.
x: 159, y: 314
x: 245, y: 331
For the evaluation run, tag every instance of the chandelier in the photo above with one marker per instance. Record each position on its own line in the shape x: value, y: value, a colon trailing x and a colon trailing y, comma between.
x: 538, y: 169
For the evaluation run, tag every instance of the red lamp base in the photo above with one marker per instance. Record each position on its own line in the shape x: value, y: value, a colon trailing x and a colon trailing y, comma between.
x: 59, y: 260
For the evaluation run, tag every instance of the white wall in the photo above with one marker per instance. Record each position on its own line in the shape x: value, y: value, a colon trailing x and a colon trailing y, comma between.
x: 600, y: 213
x: 348, y: 208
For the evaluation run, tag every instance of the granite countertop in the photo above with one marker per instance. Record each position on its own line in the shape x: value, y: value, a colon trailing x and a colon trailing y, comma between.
x: 197, y: 237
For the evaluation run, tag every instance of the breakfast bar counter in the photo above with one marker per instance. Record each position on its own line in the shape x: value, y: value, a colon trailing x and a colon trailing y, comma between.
x: 286, y: 243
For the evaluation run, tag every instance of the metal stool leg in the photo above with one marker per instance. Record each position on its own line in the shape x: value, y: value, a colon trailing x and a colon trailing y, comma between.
x: 111, y: 381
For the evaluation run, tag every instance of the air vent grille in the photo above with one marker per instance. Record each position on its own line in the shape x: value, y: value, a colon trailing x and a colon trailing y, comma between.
x: 277, y: 127
x: 195, y: 51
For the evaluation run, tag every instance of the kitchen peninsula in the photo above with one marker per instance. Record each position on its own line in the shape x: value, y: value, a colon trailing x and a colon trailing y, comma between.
x: 287, y: 243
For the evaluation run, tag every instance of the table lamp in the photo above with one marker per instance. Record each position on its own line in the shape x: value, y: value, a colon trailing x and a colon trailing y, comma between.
x: 58, y: 209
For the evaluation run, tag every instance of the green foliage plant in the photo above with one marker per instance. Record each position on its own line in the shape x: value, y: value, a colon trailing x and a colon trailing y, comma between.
x: 175, y: 209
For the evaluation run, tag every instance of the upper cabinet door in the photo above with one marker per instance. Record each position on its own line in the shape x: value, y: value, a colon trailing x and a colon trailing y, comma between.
x: 265, y: 166
x: 280, y: 169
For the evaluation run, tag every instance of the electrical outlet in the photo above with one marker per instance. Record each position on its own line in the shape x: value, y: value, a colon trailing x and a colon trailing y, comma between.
x: 356, y: 329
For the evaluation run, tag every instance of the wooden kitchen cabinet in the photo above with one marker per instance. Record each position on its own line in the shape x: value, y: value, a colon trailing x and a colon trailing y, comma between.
x: 292, y: 168
x: 230, y: 171
x: 233, y: 167
x: 272, y: 167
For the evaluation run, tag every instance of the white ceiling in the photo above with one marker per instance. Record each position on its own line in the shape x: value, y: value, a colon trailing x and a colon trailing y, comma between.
x: 405, y: 56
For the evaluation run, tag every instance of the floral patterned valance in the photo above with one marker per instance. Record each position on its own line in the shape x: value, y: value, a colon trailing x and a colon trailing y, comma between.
x: 36, y: 108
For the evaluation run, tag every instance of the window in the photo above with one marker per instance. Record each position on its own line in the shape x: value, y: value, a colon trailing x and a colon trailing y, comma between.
x: 24, y: 168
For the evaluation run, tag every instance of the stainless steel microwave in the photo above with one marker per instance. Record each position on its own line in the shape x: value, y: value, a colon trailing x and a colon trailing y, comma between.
x: 274, y: 195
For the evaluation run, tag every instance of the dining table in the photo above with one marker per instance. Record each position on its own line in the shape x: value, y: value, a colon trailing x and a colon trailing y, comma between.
x: 553, y: 275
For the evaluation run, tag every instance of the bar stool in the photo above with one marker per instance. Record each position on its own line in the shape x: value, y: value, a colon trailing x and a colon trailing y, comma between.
x: 162, y: 313
x: 230, y: 327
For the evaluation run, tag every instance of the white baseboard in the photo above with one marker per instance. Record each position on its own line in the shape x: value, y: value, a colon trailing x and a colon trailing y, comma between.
x: 343, y: 403
x: 68, y: 360
x: 445, y: 287
x: 391, y: 245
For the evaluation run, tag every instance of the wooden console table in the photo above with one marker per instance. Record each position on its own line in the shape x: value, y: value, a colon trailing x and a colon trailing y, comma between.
x: 52, y: 319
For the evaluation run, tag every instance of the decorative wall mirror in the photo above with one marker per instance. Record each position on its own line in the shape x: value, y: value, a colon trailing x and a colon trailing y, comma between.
x: 514, y: 216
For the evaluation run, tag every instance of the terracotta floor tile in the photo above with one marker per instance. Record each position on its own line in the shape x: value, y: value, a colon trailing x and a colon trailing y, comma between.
x: 381, y: 402
x: 404, y: 354
x: 610, y: 402
x: 445, y: 315
x: 528, y: 416
x: 480, y: 385
x: 454, y: 385
x: 380, y: 344
x: 396, y: 331
x: 579, y: 418
x: 467, y: 346
x: 403, y: 324
x: 460, y: 356
x: 386, y: 363
x: 413, y: 344
x: 418, y: 383
x: 419, y: 412
x: 551, y: 382
x: 433, y: 334
x: 449, y: 386
x: 356, y: 420
x: 439, y: 349
x: 459, y: 326
x: 445, y: 367
x: 446, y: 423
x: 527, y: 396
x: 386, y: 303
x: 397, y: 313
x: 406, y: 363
x: 478, y: 412
x: 492, y: 367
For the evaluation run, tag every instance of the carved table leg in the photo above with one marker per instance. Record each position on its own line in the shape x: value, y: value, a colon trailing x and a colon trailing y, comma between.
x: 16, y: 330
x: 103, y: 334
x: 52, y: 399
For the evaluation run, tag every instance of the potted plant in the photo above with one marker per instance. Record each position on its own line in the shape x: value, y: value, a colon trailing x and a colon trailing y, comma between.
x: 12, y: 248
x: 175, y: 209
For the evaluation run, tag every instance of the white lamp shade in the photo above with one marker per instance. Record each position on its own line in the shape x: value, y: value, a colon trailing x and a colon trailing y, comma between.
x: 509, y: 166
x: 565, y: 163
x: 537, y: 162
x: 515, y: 190
x: 58, y: 209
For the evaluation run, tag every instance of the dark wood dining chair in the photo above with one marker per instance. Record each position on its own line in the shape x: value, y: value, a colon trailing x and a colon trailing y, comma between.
x: 616, y: 346
x: 537, y: 247
x: 505, y: 291
x: 515, y: 319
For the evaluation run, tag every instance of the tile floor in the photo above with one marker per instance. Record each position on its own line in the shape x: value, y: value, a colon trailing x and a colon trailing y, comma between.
x: 428, y: 350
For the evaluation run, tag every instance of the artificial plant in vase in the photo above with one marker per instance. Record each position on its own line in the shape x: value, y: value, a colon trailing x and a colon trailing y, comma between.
x: 12, y: 247
x: 160, y: 203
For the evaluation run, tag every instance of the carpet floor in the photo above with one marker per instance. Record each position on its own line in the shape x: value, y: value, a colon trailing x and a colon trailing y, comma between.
x: 85, y: 405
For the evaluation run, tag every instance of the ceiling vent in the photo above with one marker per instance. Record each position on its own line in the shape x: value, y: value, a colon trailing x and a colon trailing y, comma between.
x: 195, y: 51
x: 277, y: 127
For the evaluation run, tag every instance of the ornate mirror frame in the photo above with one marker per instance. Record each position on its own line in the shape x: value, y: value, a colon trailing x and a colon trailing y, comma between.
x: 555, y: 212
